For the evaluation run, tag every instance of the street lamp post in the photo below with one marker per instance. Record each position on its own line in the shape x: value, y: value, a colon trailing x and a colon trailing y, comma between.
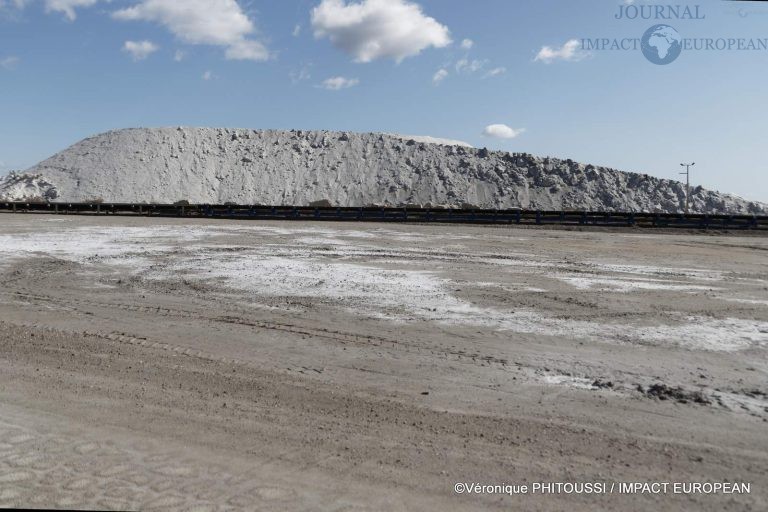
x: 687, y: 184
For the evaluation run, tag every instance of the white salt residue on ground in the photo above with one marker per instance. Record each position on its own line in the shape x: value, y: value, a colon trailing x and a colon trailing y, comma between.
x: 324, y: 266
x: 384, y: 233
x: 126, y: 245
x: 692, y: 273
x: 626, y: 285
x: 627, y: 278
x: 402, y: 294
x: 567, y: 380
x: 408, y: 295
x: 697, y: 332
x: 754, y: 302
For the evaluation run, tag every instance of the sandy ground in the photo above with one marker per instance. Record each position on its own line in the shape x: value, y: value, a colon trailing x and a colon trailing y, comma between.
x: 202, y: 365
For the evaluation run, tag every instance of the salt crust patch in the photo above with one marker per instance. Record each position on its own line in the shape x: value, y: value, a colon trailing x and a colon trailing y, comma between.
x: 754, y: 302
x: 628, y: 285
x: 700, y: 274
x: 277, y: 269
x: 565, y: 380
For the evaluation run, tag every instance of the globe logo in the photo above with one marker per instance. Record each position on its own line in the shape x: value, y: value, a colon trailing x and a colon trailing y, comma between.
x: 661, y: 44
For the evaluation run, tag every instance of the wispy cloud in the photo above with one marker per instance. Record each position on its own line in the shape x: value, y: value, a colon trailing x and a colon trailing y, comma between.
x: 9, y: 63
x: 67, y: 6
x: 439, y: 76
x: 496, y: 72
x: 470, y: 66
x: 467, y: 67
x: 570, y: 51
x: 13, y: 3
x: 9, y: 4
x: 339, y: 82
x: 139, y: 50
x: 301, y: 74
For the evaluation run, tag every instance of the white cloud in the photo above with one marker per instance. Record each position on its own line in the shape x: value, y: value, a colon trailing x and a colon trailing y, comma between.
x: 210, y: 22
x: 467, y: 44
x: 339, y: 82
x: 373, y: 29
x: 470, y: 66
x: 296, y: 31
x: 570, y: 51
x: 439, y: 76
x: 179, y: 55
x: 207, y: 75
x: 502, y: 131
x: 496, y: 72
x: 67, y: 6
x: 247, y: 49
x: 139, y: 50
x: 8, y: 63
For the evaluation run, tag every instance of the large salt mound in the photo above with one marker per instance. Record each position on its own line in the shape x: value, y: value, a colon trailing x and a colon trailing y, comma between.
x: 206, y: 165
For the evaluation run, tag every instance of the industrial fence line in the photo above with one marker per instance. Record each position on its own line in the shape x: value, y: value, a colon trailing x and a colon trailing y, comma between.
x: 404, y: 214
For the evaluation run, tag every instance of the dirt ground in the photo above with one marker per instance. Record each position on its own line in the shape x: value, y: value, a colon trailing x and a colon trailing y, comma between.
x: 202, y: 365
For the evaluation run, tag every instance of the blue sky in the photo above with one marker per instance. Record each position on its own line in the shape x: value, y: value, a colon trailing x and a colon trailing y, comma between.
x: 74, y: 68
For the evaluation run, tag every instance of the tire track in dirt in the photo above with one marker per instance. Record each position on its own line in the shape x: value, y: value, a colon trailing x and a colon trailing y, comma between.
x: 333, y: 335
x: 344, y: 338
